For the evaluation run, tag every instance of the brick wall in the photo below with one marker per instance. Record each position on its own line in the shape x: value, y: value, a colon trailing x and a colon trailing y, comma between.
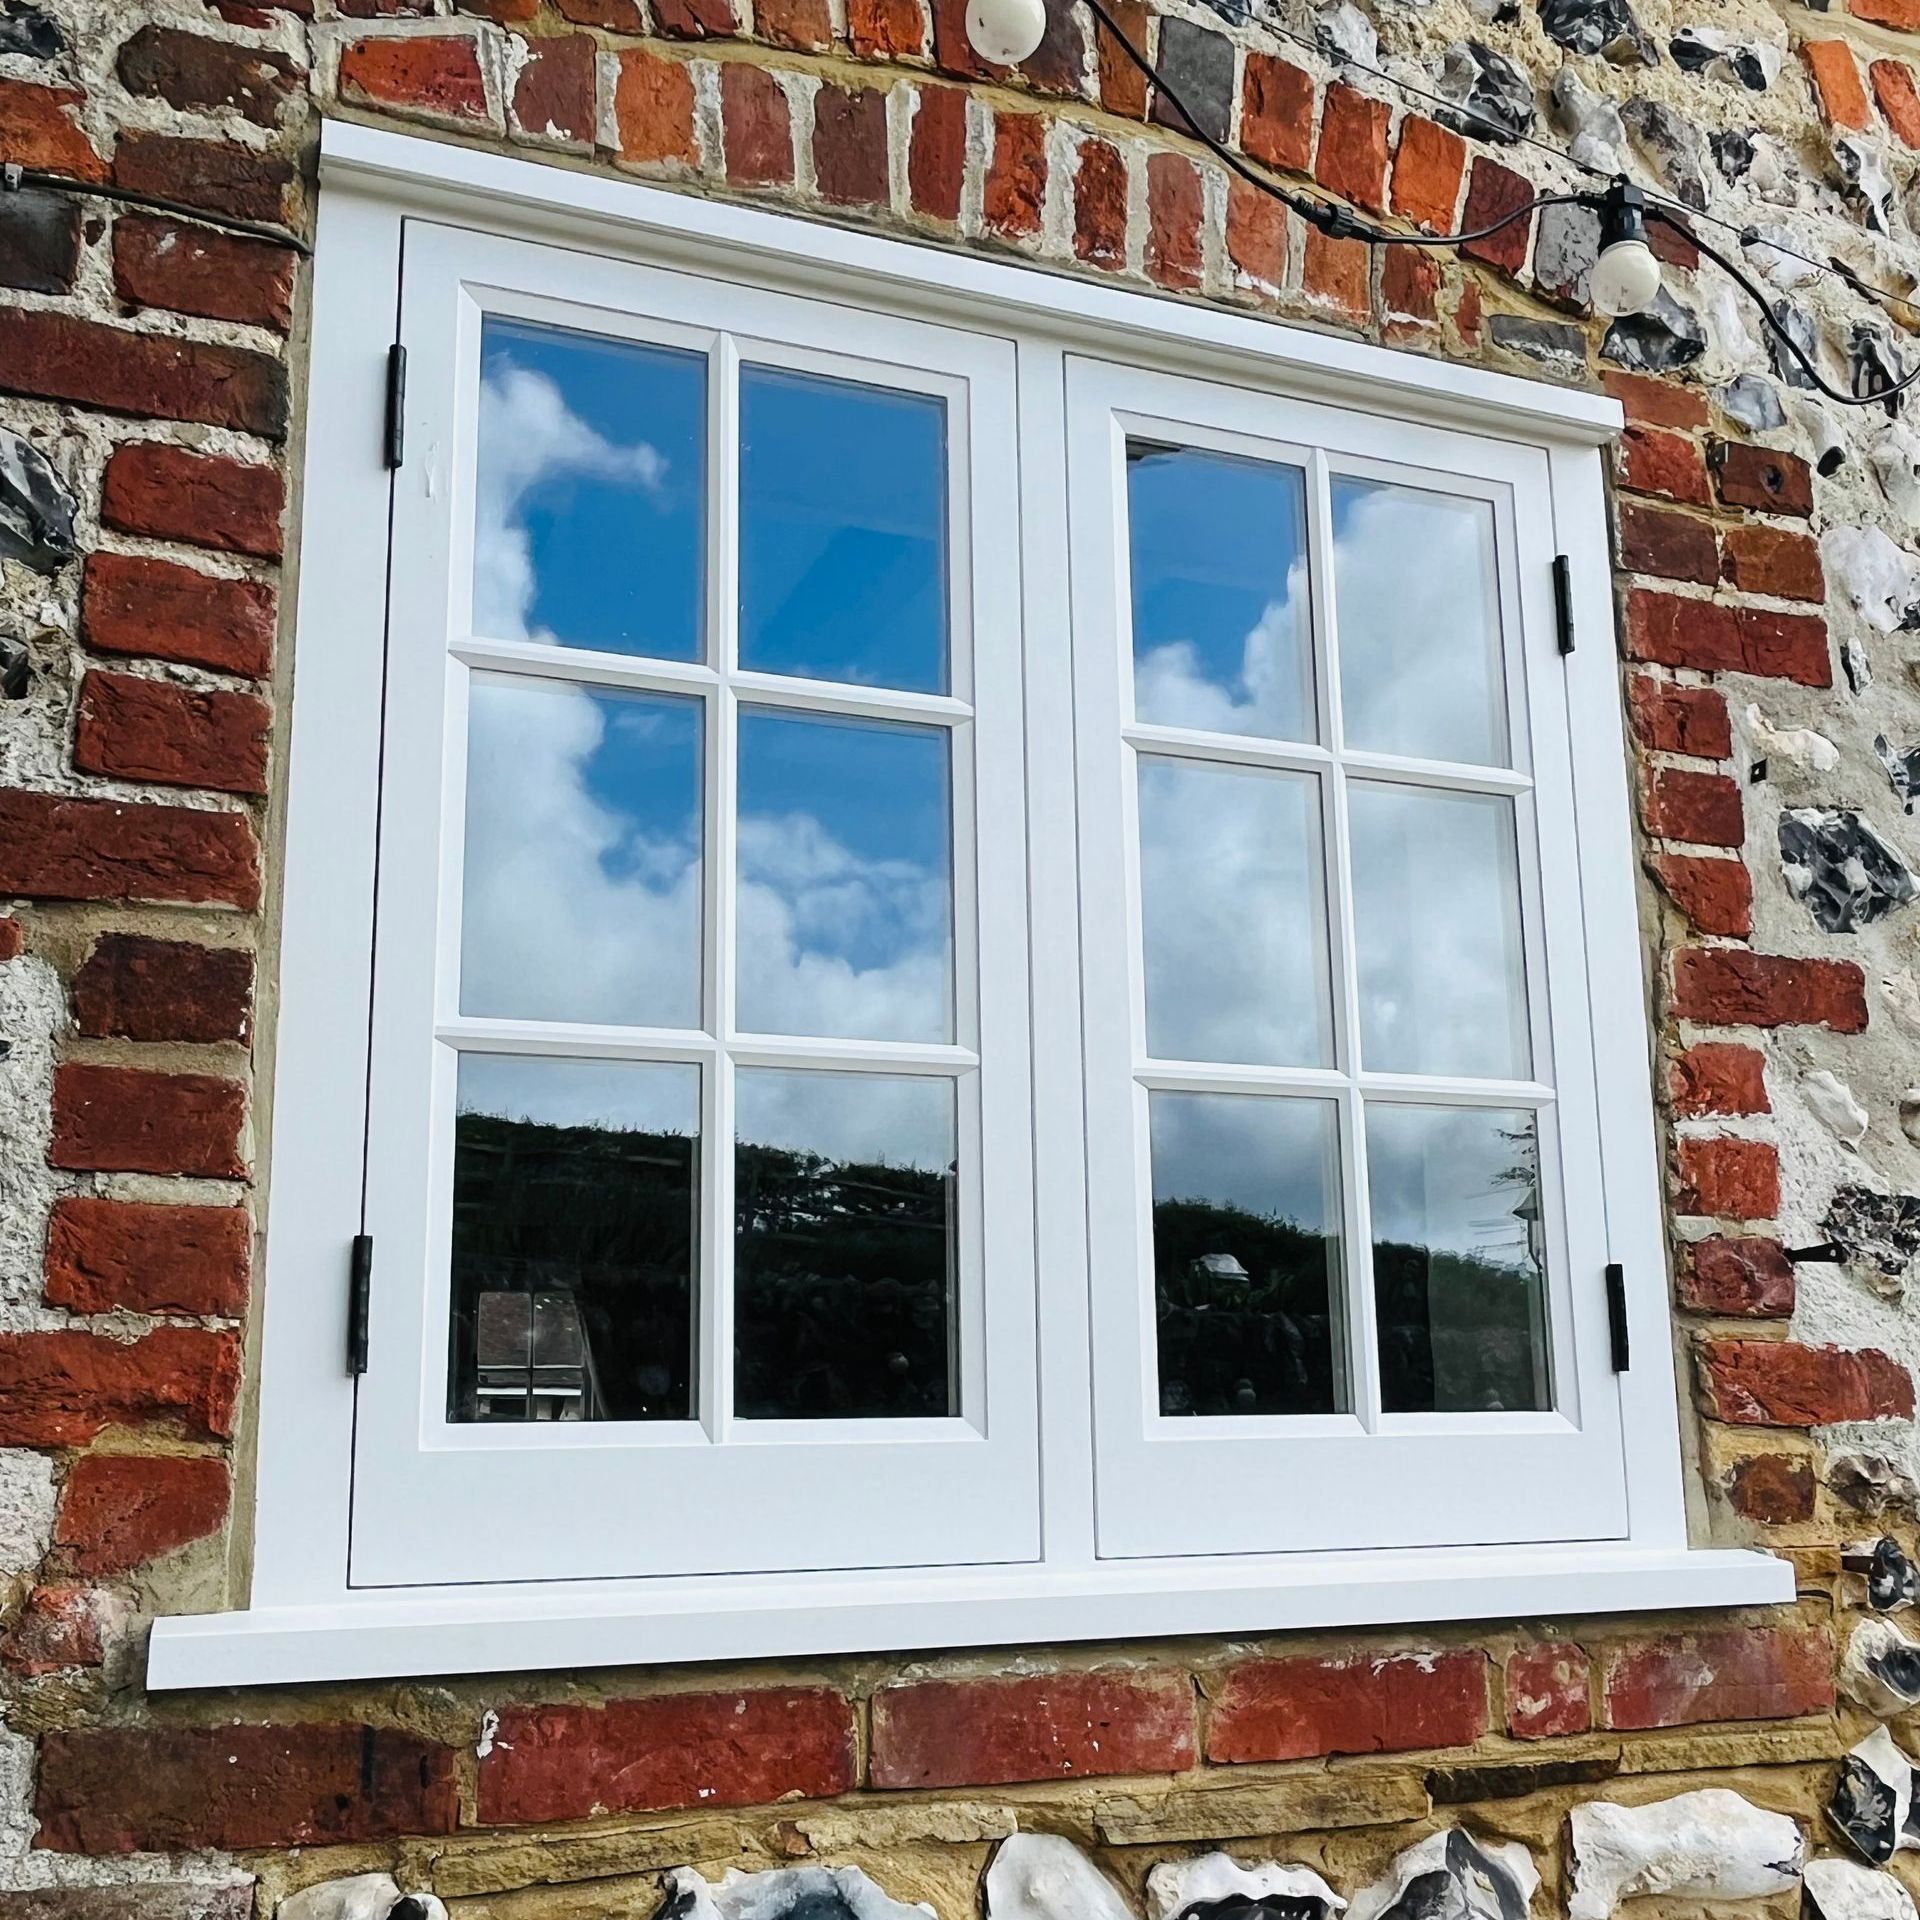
x: 150, y: 390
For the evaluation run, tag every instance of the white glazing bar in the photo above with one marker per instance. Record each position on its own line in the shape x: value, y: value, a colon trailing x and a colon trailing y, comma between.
x: 1455, y: 776
x: 1199, y: 1076
x: 1239, y: 749
x: 850, y: 1056
x: 567, y: 1040
x: 858, y: 702
x: 586, y: 665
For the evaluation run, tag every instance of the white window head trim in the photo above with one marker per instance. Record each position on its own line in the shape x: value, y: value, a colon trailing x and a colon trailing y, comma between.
x: 1047, y: 365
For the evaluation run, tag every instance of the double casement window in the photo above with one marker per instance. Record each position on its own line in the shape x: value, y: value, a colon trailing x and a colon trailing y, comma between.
x: 1001, y: 963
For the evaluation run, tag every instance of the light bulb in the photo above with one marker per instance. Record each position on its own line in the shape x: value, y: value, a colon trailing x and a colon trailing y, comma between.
x: 1005, y: 32
x: 1625, y: 279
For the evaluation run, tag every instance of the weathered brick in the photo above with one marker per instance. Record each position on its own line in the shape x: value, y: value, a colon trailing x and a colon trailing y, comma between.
x: 13, y: 939
x: 1175, y: 210
x: 108, y: 1256
x: 1362, y: 1703
x: 1276, y: 113
x: 937, y: 152
x: 120, y: 1510
x: 757, y: 127
x: 60, y: 1627
x: 1775, y: 560
x: 1747, y: 1277
x: 1674, y: 632
x: 132, y: 605
x: 61, y: 1389
x: 1100, y: 205
x: 1197, y: 64
x: 1728, y: 986
x: 667, y: 1750
x: 617, y: 16
x: 1546, y: 1690
x: 220, y: 175
x: 58, y: 356
x: 1351, y: 158
x: 1655, y: 461
x: 186, y: 269
x: 1702, y: 809
x: 1652, y: 402
x: 1893, y: 87
x: 433, y: 77
x: 695, y: 19
x: 135, y: 987
x: 39, y: 240
x: 1016, y: 189
x: 125, y: 1120
x: 1053, y: 1726
x: 1493, y: 192
x: 56, y: 848
x: 653, y: 110
x: 1763, y: 478
x: 553, y: 97
x: 1123, y: 86
x: 1669, y: 546
x: 108, y: 1790
x: 1733, y: 1673
x: 40, y: 127
x: 1717, y: 1076
x: 850, y: 145
x: 1779, y: 1383
x: 1716, y: 895
x: 1427, y: 172
x: 1334, y: 272
x: 1902, y: 15
x: 1256, y: 238
x: 806, y: 26
x: 168, y: 493
x: 1771, y: 1489
x: 199, y: 74
x: 131, y: 728
x: 886, y: 29
x: 1785, y: 646
x: 1728, y: 1179
x: 1836, y: 83
x: 1675, y: 719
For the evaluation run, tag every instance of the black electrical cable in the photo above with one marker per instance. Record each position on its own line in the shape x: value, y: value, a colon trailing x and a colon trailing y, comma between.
x: 13, y: 177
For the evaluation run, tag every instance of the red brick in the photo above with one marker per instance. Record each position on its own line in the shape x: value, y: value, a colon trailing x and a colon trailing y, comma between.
x: 804, y: 26
x: 1702, y: 809
x: 695, y: 19
x: 1494, y: 191
x: 617, y: 16
x: 1351, y: 159
x: 59, y: 1628
x: 850, y: 144
x: 1426, y: 174
x: 937, y: 152
x: 1772, y: 1489
x: 435, y: 76
x: 1902, y: 15
x: 1729, y: 1179
x: 124, y: 1120
x: 1785, y: 646
x: 56, y: 848
x: 653, y: 110
x: 1718, y: 1077
x: 134, y: 987
x: 1100, y: 205
x: 1656, y: 403
x: 553, y: 98
x: 173, y: 1789
x: 1016, y: 190
x: 1750, y: 1278
x: 1775, y: 560
x: 1732, y: 1673
x: 1680, y: 719
x: 1893, y: 87
x: 185, y: 269
x: 757, y: 127
x: 1654, y: 461
x: 106, y: 1256
x: 1123, y: 87
x: 1335, y: 273
x: 40, y: 127
x: 13, y: 941
x: 120, y: 1510
x: 1276, y: 113
x: 1175, y: 209
x: 1363, y: 1703
x: 1716, y: 895
x: 1410, y: 284
x: 1053, y: 1726
x: 886, y: 29
x: 1669, y: 546
x: 1673, y: 243
x: 1057, y: 65
x: 61, y: 1389
x: 219, y: 175
x: 131, y: 728
x: 1836, y: 83
x: 667, y: 1750
x: 58, y: 356
x: 1728, y: 986
x: 1673, y: 632
x: 167, y: 493
x: 1779, y: 1383
x: 1256, y: 237
x: 1763, y: 478
x: 137, y: 606
x: 1547, y: 1690
x: 199, y: 74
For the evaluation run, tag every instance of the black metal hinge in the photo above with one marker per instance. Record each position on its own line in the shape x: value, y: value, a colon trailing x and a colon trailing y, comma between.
x: 1563, y: 601
x: 1617, y: 1314
x: 359, y: 1297
x: 396, y: 426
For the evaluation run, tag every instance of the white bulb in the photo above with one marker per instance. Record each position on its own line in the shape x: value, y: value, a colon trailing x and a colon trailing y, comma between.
x: 1625, y: 279
x: 1005, y: 32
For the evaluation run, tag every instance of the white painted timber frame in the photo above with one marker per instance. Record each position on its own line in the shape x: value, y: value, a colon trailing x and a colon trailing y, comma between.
x: 305, y: 1621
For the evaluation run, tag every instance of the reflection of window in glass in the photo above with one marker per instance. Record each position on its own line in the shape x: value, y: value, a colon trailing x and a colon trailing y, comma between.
x: 1248, y: 1285
x: 590, y: 492
x: 574, y: 1229
x: 844, y: 1245
x: 1221, y: 637
x: 1459, y: 1259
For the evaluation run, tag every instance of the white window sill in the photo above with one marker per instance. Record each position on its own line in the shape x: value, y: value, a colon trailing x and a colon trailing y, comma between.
x: 372, y: 1635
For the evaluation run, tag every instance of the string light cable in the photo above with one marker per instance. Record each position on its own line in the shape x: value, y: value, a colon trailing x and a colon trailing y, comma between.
x: 13, y: 177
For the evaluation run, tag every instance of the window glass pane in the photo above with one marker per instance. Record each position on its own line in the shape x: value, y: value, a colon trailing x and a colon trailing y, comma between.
x: 1459, y: 1260
x: 1235, y: 916
x: 574, y: 1193
x: 1436, y: 901
x: 1418, y: 606
x: 843, y: 531
x: 846, y: 878
x: 590, y: 494
x: 1247, y: 1254
x: 581, y: 896
x: 844, y: 1245
x: 1221, y: 635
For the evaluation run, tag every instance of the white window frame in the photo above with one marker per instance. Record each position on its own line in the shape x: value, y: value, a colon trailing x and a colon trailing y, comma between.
x: 304, y: 1621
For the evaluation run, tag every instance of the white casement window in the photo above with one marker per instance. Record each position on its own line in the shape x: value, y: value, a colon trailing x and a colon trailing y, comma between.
x: 968, y: 948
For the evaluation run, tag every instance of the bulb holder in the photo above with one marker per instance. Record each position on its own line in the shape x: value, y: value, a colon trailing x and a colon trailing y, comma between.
x: 1626, y: 277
